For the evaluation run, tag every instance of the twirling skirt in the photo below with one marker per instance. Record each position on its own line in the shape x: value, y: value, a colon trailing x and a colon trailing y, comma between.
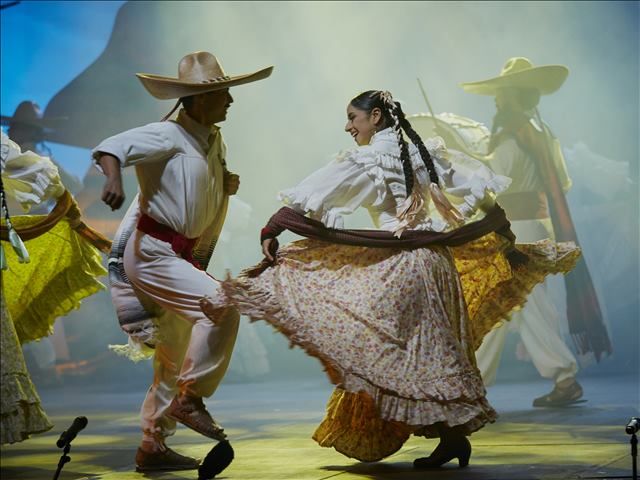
x: 61, y: 273
x: 22, y: 414
x: 395, y: 329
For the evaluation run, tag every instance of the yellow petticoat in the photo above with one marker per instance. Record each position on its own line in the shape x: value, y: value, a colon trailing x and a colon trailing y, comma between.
x: 60, y: 274
x: 353, y: 427
x: 492, y: 290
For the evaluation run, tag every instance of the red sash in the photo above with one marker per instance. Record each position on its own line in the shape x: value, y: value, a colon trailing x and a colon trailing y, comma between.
x: 586, y: 322
x: 180, y: 244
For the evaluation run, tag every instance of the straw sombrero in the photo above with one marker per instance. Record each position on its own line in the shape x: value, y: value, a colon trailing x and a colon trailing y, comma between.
x: 198, y: 72
x: 519, y: 72
x: 28, y: 114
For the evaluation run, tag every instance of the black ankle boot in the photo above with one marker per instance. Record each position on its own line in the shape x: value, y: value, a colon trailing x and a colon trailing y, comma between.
x: 446, y: 451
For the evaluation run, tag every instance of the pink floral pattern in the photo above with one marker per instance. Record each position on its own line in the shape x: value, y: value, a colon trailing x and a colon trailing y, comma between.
x: 392, y: 329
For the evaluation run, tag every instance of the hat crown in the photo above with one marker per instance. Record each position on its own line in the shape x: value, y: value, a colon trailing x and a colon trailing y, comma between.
x: 200, y: 67
x: 516, y: 64
x: 27, y: 111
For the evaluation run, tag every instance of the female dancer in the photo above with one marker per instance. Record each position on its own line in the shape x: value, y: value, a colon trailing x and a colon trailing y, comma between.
x: 49, y: 280
x: 393, y: 313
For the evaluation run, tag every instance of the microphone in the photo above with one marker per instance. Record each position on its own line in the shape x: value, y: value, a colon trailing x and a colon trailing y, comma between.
x: 68, y: 435
x: 633, y: 426
x: 219, y: 458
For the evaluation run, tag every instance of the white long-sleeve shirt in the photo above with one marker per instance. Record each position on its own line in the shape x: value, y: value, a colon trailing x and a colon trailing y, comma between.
x: 180, y: 169
x: 371, y: 177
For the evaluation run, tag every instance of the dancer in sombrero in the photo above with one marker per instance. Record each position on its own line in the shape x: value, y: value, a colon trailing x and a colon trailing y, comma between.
x: 523, y: 148
x: 394, y: 314
x: 164, y: 244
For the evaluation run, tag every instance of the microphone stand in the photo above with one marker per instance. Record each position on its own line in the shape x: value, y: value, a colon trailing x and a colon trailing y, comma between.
x: 634, y: 455
x: 65, y: 458
x: 632, y: 428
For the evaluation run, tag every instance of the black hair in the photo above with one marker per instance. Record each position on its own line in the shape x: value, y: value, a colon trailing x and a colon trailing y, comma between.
x: 186, y: 102
x: 393, y: 116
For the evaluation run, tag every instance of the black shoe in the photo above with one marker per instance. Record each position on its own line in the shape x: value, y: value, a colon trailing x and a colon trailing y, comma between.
x: 560, y: 396
x: 219, y: 458
x: 163, y: 460
x: 444, y: 453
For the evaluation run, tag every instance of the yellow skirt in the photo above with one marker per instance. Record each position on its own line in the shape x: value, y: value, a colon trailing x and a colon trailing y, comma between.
x: 62, y: 271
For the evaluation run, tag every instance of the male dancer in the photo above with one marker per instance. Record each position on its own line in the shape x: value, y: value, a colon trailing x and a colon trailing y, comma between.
x: 523, y: 148
x: 184, y: 188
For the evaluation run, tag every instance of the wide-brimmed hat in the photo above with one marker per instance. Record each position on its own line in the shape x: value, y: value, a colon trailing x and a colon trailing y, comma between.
x: 28, y: 113
x: 198, y: 72
x: 519, y: 72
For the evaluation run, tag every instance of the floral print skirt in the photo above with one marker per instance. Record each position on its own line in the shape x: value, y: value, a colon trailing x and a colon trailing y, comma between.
x: 21, y: 414
x: 395, y: 329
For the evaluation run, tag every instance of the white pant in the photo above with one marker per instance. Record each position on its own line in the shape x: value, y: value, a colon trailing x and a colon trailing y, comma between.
x: 538, y: 324
x: 192, y: 354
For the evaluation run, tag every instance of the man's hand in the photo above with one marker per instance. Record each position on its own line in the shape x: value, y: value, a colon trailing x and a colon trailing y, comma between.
x: 112, y: 193
x: 231, y: 183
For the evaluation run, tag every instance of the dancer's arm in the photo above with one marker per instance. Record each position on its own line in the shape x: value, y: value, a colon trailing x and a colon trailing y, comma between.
x: 350, y: 181
x: 112, y: 192
x: 471, y: 183
x: 338, y: 189
x: 28, y: 178
x: 150, y: 143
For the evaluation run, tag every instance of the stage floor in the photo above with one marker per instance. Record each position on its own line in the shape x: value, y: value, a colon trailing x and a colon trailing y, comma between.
x: 270, y: 424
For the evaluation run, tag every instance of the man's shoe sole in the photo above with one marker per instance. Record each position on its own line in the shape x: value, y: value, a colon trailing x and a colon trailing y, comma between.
x: 166, y: 468
x: 569, y: 403
x: 220, y: 438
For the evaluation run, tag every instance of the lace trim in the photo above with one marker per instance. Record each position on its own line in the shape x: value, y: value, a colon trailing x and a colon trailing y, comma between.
x: 22, y: 414
x: 353, y: 425
x: 260, y: 304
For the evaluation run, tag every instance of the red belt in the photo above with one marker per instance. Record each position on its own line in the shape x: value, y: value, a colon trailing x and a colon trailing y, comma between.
x: 180, y: 244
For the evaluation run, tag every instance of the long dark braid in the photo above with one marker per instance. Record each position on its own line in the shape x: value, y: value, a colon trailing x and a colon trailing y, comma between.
x: 442, y: 204
x: 407, y: 168
x: 371, y: 99
x: 395, y: 112
x: 405, y: 157
x: 417, y: 141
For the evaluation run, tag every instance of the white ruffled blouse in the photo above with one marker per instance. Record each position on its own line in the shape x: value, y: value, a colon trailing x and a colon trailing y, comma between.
x: 28, y: 177
x: 371, y: 176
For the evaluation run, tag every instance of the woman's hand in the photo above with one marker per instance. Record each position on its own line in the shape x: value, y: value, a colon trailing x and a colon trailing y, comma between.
x: 269, y: 248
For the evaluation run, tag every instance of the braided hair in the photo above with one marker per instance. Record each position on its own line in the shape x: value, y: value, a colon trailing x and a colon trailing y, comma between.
x: 393, y: 116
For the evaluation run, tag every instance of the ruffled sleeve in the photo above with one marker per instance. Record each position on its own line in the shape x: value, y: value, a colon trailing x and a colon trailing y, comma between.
x: 469, y: 182
x: 350, y: 181
x: 27, y: 177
